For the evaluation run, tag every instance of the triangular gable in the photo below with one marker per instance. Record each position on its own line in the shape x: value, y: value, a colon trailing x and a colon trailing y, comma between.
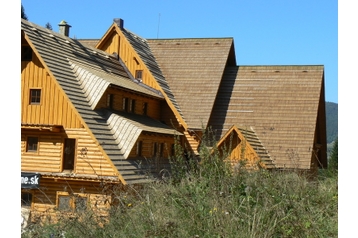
x: 137, y: 54
x: 239, y: 149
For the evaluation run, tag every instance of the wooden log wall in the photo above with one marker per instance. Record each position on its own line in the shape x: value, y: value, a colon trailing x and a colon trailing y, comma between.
x: 45, y: 199
x: 148, y: 141
x: 54, y: 107
x: 153, y: 105
x: 48, y: 158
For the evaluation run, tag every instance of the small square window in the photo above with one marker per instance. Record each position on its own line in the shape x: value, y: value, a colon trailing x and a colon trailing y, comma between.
x: 32, y: 144
x: 81, y: 204
x: 139, y: 74
x: 35, y: 96
x: 26, y: 53
x: 64, y: 203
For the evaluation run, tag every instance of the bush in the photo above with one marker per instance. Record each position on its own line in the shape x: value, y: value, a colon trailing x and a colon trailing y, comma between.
x: 209, y: 200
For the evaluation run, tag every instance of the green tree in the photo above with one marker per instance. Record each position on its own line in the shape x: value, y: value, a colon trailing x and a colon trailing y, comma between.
x: 23, y: 15
x: 48, y: 26
x: 333, y: 160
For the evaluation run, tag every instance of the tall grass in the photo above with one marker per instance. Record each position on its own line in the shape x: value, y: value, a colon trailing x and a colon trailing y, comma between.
x: 209, y: 200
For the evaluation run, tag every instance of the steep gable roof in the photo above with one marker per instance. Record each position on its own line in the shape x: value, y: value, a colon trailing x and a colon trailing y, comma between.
x: 193, y: 69
x: 279, y: 102
x: 141, y: 46
x: 83, y: 73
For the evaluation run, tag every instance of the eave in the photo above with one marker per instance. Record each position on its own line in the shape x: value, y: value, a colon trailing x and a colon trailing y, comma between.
x: 42, y: 127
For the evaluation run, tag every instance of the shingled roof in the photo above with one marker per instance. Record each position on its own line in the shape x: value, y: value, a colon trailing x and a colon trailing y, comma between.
x: 280, y: 103
x: 84, y: 73
x: 193, y: 69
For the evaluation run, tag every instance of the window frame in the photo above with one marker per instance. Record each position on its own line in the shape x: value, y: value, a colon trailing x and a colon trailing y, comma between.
x: 30, y: 147
x: 139, y: 148
x: 110, y: 98
x: 31, y: 193
x: 145, y: 108
x: 139, y: 75
x: 72, y: 201
x: 34, y: 98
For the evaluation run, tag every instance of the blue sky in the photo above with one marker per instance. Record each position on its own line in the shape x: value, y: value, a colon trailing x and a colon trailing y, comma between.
x: 277, y: 32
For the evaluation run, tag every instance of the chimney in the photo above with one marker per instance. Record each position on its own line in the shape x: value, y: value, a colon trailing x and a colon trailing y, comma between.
x: 119, y: 22
x: 64, y: 28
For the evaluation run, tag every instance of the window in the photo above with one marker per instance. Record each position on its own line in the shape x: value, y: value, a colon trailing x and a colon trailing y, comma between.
x: 161, y: 149
x: 110, y: 100
x: 80, y: 203
x: 139, y: 74
x: 155, y: 148
x: 64, y: 203
x: 69, y: 150
x: 139, y: 148
x: 35, y: 96
x: 125, y: 104
x: 132, y: 105
x: 128, y: 105
x: 26, y: 53
x: 32, y: 144
x: 145, y: 108
x: 26, y: 199
x: 68, y: 203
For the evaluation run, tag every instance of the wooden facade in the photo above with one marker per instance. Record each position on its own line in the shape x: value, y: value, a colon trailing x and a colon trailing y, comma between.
x: 107, y: 112
x: 86, y: 125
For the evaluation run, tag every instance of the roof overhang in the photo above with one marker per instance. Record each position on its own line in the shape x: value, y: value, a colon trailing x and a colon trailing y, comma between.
x: 42, y: 127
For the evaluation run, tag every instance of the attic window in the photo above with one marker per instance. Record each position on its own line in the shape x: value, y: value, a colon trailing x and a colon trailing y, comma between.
x: 139, y: 74
x: 35, y: 96
x: 26, y: 53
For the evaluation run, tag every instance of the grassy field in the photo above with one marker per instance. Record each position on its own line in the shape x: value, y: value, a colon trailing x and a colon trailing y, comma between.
x: 211, y: 201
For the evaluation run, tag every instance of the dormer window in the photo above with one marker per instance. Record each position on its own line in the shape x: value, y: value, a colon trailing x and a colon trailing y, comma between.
x: 145, y: 108
x: 109, y: 100
x: 128, y: 105
x: 139, y: 74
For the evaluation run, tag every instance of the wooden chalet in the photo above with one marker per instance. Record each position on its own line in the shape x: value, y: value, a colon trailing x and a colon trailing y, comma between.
x: 278, y: 111
x: 95, y: 111
x: 86, y: 124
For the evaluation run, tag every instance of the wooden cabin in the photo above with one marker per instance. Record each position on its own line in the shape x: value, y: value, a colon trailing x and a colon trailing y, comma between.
x: 283, y: 106
x: 96, y: 114
x: 87, y: 124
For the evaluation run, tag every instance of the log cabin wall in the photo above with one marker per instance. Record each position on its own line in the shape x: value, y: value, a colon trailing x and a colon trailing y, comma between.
x: 45, y: 200
x: 53, y: 108
x: 143, y: 105
x: 49, y: 155
x: 150, y: 145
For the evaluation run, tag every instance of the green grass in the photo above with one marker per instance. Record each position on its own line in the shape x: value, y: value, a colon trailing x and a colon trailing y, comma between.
x: 211, y: 201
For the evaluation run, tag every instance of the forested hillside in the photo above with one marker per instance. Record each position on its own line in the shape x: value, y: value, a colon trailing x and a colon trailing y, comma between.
x: 332, y: 121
